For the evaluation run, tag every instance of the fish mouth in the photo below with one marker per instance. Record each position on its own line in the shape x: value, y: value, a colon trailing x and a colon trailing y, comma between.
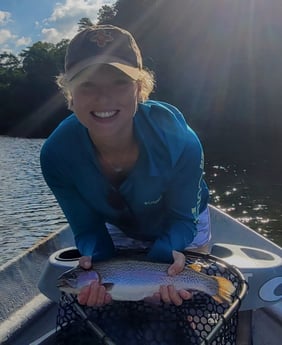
x: 104, y: 114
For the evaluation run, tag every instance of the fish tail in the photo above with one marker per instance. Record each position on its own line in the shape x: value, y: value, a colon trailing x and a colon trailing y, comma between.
x: 225, y: 290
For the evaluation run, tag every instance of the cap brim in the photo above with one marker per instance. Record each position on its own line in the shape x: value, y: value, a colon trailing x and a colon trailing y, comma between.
x: 131, y: 71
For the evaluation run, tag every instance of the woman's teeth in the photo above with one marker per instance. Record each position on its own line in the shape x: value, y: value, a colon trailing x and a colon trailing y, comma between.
x: 104, y: 114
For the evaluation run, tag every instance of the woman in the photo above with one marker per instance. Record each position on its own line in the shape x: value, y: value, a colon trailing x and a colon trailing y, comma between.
x: 123, y: 163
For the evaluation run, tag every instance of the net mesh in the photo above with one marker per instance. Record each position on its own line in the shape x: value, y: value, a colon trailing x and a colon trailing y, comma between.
x: 199, y: 321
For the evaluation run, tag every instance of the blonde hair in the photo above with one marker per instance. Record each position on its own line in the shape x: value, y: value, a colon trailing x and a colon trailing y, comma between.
x: 146, y: 82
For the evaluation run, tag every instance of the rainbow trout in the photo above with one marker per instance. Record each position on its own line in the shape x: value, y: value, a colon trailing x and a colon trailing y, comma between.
x: 131, y: 280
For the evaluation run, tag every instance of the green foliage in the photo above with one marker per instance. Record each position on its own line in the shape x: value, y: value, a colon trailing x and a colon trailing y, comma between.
x: 106, y: 14
x: 10, y: 70
x: 39, y: 61
x: 9, y: 61
x: 84, y: 23
x: 26, y: 83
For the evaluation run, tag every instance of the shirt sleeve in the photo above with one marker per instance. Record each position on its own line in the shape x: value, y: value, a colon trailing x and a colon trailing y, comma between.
x: 90, y: 233
x: 183, y: 199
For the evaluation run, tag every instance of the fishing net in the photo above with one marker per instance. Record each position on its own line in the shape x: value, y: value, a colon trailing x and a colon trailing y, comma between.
x: 199, y: 321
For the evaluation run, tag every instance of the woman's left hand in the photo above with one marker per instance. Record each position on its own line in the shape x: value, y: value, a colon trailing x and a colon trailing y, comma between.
x: 169, y: 294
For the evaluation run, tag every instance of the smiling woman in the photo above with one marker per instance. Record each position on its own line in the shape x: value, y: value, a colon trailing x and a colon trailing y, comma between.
x: 103, y: 95
x: 121, y: 149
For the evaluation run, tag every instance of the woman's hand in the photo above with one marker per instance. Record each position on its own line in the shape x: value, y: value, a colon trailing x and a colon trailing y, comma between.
x: 168, y: 294
x: 95, y: 294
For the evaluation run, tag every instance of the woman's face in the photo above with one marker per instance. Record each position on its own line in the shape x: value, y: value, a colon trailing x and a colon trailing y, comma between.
x: 105, y: 100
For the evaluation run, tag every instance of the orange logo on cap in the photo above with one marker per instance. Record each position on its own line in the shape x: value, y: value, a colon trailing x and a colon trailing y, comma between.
x: 101, y: 38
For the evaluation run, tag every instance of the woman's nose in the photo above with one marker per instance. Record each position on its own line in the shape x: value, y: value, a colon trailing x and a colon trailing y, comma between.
x: 103, y: 93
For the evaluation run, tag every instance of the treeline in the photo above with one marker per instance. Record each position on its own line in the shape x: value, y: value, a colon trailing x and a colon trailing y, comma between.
x: 217, y: 60
x: 30, y: 104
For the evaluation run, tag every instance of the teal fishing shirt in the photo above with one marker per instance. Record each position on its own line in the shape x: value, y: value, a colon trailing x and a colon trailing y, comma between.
x: 164, y: 191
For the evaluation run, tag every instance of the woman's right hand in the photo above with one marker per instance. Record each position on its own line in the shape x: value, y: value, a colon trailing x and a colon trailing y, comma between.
x: 93, y: 295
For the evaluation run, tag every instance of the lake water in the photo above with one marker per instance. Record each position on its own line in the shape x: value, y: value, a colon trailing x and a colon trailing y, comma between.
x: 28, y: 210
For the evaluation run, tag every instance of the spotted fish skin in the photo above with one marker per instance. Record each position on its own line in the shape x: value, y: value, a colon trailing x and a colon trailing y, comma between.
x: 132, y: 280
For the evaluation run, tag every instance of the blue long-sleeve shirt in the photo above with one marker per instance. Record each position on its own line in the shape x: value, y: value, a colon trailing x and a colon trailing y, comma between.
x: 165, y: 190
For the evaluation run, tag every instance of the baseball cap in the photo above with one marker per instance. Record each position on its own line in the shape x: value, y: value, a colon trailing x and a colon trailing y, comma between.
x: 103, y: 44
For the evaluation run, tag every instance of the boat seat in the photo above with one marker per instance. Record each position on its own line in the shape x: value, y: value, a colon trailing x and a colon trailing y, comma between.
x: 262, y: 270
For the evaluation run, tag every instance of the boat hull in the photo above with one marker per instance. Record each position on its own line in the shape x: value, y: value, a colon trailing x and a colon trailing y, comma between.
x: 28, y: 317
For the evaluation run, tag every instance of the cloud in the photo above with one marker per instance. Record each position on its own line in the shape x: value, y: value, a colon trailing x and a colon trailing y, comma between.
x: 5, y: 17
x: 5, y: 35
x: 63, y: 21
x: 6, y: 38
x: 23, y: 41
x: 77, y: 9
x: 53, y: 35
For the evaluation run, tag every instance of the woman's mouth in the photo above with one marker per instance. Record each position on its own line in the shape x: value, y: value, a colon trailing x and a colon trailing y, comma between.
x: 104, y: 114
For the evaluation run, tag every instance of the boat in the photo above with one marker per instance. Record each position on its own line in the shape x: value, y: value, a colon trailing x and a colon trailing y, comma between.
x: 28, y: 316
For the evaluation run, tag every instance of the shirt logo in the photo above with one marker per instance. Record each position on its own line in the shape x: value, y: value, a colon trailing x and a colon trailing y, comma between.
x: 101, y: 38
x: 153, y: 202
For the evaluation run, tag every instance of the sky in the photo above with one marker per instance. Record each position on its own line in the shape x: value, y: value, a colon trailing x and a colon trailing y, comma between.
x: 24, y: 22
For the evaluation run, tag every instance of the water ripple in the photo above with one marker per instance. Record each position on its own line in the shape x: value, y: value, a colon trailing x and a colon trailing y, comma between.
x: 28, y: 210
x: 251, y: 196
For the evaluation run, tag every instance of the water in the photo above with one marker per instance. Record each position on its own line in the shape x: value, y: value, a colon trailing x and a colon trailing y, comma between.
x: 28, y: 210
x: 249, y: 193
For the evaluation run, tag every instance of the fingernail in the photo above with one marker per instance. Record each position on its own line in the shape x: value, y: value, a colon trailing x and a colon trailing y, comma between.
x: 87, y: 263
x: 108, y: 298
x: 188, y: 295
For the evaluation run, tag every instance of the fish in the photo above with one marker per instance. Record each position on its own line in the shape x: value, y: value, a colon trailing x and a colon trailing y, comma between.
x: 134, y: 280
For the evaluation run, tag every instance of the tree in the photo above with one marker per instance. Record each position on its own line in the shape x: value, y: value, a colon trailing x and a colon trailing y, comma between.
x: 10, y: 69
x: 38, y: 60
x: 84, y: 23
x: 27, y: 83
x: 59, y: 53
x: 210, y: 60
x: 9, y: 60
x: 106, y: 14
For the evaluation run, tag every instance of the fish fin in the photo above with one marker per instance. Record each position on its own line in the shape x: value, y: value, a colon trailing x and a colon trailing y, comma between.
x: 225, y: 290
x: 108, y: 286
x: 195, y: 267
